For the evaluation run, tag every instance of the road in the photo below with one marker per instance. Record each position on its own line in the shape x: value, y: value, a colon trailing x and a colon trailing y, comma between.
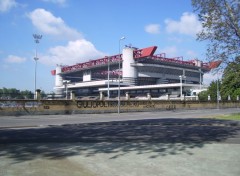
x: 180, y: 143
x: 46, y: 120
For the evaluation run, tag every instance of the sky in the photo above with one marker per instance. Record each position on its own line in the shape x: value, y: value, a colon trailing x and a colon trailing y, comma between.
x: 75, y: 31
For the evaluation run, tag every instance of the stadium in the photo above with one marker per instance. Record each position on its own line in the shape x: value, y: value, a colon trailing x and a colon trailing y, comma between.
x: 136, y: 73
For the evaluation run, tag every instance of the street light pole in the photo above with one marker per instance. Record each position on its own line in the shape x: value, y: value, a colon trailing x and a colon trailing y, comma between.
x: 217, y: 91
x: 36, y: 39
x: 200, y: 79
x: 108, y: 78
x: 35, y: 78
x: 180, y: 86
x: 119, y: 67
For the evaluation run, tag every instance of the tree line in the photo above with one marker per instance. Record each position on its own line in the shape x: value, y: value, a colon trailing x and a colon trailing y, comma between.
x: 13, y: 93
x: 228, y: 85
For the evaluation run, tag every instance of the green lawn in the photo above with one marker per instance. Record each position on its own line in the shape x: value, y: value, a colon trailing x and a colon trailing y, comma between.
x: 235, y: 116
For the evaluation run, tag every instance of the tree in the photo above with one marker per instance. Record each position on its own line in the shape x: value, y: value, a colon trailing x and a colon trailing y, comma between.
x: 212, y: 89
x: 27, y: 94
x: 221, y: 27
x: 203, y: 96
x: 231, y: 80
x: 43, y: 94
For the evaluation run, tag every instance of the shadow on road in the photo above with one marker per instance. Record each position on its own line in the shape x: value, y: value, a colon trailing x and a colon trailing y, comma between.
x: 159, y: 137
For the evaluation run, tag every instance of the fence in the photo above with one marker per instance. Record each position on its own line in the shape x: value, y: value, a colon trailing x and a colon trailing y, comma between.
x: 50, y: 107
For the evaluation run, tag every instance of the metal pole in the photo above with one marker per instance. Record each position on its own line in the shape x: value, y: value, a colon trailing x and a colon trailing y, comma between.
x: 119, y: 67
x: 200, y: 84
x: 36, y: 39
x: 180, y: 87
x: 35, y: 79
x: 108, y: 79
x: 119, y: 80
x: 217, y: 93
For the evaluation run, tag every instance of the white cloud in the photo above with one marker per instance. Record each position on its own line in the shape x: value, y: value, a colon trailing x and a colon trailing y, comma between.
x: 15, y: 59
x: 74, y: 52
x: 188, y: 25
x: 6, y: 5
x: 47, y: 23
x: 152, y: 28
x: 77, y: 49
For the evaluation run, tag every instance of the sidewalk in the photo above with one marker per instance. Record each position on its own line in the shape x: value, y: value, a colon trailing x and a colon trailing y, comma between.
x: 158, y: 160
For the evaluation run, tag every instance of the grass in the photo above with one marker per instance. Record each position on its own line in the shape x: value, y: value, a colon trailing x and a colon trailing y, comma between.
x: 235, y: 116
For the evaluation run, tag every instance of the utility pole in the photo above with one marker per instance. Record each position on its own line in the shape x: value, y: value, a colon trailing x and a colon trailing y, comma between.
x: 119, y: 67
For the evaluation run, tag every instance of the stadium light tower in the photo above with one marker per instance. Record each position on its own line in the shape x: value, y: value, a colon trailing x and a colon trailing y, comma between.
x: 37, y: 38
x: 119, y: 64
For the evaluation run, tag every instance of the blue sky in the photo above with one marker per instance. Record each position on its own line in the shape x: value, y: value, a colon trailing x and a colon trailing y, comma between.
x: 75, y: 31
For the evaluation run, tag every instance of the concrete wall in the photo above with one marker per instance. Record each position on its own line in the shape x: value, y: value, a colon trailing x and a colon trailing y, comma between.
x: 31, y: 107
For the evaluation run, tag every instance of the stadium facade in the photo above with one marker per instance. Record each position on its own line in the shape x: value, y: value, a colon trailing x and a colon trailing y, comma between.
x: 134, y: 73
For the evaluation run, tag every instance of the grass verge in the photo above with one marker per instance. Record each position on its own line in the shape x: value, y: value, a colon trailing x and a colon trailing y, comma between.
x: 235, y: 116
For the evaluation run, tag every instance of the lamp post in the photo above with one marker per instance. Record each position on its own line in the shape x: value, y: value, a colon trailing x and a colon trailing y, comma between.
x: 35, y: 78
x: 36, y: 39
x: 119, y: 67
x: 108, y: 78
x: 217, y: 91
x: 200, y: 79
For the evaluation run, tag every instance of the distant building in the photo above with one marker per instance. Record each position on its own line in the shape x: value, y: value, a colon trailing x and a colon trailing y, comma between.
x: 141, y: 74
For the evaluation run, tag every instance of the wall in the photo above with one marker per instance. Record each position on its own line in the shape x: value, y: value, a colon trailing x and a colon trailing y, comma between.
x: 47, y: 107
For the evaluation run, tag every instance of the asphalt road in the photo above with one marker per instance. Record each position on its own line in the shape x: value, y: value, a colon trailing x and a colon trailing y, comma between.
x: 180, y: 143
x: 46, y: 120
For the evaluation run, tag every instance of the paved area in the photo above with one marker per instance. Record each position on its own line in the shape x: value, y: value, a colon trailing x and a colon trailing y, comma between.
x: 160, y: 143
x: 46, y: 120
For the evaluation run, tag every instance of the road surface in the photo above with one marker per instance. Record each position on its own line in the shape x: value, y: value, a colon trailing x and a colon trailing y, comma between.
x: 180, y: 143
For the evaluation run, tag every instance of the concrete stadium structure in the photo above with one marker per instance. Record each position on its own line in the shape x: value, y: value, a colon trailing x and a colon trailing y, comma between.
x: 134, y: 73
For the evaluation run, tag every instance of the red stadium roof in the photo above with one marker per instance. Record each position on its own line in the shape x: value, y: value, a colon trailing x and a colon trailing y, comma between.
x: 138, y: 53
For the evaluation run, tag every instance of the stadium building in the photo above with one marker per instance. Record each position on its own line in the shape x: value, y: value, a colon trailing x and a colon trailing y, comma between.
x: 134, y: 73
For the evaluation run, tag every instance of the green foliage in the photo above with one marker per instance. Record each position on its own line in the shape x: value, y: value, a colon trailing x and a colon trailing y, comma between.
x: 221, y: 27
x: 212, y: 89
x: 43, y: 94
x: 27, y: 94
x: 236, y: 93
x: 231, y: 80
x: 235, y: 116
x: 203, y: 96
x: 13, y: 93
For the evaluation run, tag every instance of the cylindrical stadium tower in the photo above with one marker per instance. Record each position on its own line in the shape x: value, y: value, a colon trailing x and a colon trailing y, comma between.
x: 58, y: 80
x: 129, y: 73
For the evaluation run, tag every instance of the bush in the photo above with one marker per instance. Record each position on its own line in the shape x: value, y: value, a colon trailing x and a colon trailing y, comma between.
x: 203, y: 96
